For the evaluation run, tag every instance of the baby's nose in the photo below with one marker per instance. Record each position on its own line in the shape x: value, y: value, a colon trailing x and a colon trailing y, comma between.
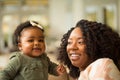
x: 36, y: 43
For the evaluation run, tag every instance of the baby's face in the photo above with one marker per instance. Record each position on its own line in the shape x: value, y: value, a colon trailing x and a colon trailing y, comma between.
x: 32, y: 42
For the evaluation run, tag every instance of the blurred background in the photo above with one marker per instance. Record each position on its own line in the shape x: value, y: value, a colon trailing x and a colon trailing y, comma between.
x: 56, y: 16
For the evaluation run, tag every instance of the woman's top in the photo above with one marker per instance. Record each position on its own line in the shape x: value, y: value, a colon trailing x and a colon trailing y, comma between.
x: 101, y: 69
x: 22, y: 67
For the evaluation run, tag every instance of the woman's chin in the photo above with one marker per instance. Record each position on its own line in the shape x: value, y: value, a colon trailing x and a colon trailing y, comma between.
x: 75, y: 63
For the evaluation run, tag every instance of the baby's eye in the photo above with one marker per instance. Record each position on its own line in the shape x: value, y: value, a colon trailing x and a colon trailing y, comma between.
x: 30, y: 40
x: 41, y: 40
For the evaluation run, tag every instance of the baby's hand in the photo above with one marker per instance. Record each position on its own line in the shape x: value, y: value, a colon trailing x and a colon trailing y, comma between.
x: 61, y: 69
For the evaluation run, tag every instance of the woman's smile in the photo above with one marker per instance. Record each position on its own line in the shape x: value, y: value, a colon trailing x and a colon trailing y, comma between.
x: 74, y: 56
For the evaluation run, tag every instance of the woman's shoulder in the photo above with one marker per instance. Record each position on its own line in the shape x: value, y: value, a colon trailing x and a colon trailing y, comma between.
x: 100, y: 64
x: 104, y: 64
x: 103, y: 61
x: 104, y: 68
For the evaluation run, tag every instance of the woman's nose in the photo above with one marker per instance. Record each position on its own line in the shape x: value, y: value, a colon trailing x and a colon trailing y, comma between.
x: 74, y: 46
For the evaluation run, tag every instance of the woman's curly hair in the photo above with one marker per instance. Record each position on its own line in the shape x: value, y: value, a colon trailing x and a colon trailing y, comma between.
x: 101, y: 42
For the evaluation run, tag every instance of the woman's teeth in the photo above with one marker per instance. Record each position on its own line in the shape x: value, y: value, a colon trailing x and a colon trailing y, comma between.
x: 74, y: 56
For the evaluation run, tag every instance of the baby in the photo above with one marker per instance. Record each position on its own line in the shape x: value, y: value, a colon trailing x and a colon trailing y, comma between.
x: 31, y: 61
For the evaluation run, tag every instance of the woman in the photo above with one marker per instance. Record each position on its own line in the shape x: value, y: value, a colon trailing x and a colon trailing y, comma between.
x: 91, y: 51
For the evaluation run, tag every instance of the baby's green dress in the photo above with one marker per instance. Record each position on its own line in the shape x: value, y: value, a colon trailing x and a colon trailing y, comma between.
x: 22, y: 67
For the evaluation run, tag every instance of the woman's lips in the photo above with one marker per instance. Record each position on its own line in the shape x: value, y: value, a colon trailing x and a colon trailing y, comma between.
x: 74, y: 56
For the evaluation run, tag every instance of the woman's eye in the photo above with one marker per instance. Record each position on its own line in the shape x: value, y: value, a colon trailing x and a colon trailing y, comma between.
x: 81, y: 42
x: 69, y: 42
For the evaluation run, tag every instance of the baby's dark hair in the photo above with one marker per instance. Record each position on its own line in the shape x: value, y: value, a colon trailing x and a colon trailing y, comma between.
x: 101, y: 42
x: 22, y: 26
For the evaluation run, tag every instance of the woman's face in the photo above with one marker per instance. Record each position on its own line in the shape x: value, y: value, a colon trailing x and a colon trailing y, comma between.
x: 76, y: 49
